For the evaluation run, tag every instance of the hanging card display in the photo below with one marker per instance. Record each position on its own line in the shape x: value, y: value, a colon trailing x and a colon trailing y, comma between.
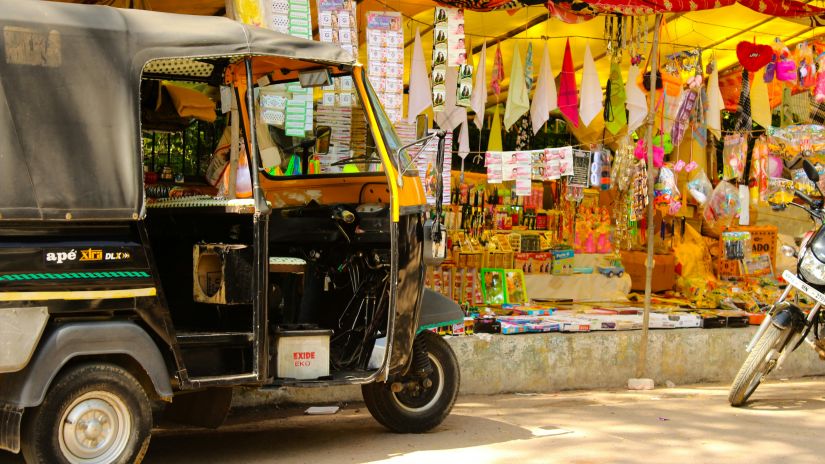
x: 336, y: 24
x: 457, y: 50
x: 385, y: 53
x: 523, y: 172
x: 425, y: 161
x: 494, y: 168
x: 449, y: 49
x: 509, y: 165
x: 439, y: 63
x: 564, y: 155
x: 581, y: 169
x: 465, y: 85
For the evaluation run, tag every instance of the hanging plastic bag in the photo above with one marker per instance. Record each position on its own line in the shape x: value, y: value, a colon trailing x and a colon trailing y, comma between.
x: 722, y: 206
x: 666, y: 195
x: 622, y: 170
x: 806, y: 70
x: 734, y: 154
x: 699, y: 186
x: 759, y: 171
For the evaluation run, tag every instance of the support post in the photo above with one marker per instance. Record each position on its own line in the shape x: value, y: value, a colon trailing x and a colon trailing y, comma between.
x: 641, y: 365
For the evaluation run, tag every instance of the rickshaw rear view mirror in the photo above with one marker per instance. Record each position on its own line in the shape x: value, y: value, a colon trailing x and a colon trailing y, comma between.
x: 322, y: 136
x: 315, y: 78
x: 421, y: 126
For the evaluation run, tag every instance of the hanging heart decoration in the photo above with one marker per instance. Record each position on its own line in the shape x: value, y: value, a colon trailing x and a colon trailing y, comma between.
x: 753, y: 57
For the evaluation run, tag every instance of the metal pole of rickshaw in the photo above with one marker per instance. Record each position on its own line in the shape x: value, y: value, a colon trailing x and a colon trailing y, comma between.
x: 641, y: 364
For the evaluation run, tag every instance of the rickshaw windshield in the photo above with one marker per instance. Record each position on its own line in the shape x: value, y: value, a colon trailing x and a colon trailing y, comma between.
x: 289, y: 117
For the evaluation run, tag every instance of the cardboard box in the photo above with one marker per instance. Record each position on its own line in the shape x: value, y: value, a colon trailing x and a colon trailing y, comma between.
x: 563, y: 262
x: 763, y: 243
x: 533, y: 263
x: 664, y: 273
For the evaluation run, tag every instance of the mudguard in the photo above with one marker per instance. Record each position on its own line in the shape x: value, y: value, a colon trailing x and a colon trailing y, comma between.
x: 27, y: 388
x: 438, y: 310
x: 787, y: 315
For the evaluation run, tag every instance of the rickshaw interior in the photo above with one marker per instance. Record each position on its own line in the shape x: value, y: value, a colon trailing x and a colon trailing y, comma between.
x: 329, y: 230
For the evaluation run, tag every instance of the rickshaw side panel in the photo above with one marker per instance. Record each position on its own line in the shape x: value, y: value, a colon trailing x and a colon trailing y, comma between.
x: 411, y: 271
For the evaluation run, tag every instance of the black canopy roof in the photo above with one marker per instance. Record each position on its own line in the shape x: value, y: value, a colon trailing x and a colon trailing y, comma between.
x: 69, y: 98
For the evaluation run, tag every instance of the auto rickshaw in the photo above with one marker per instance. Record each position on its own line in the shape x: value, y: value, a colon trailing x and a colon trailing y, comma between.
x: 119, y: 303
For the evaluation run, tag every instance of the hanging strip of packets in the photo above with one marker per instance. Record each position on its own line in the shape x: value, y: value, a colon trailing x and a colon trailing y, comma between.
x: 449, y: 51
x: 385, y: 54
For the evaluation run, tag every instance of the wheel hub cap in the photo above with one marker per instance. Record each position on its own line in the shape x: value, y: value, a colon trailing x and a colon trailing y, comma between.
x: 95, y: 428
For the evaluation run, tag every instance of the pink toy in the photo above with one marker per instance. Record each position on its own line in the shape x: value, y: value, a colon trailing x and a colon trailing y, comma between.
x: 658, y: 153
x: 786, y: 70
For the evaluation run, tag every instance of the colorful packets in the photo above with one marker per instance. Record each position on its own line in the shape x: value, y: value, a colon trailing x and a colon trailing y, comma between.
x: 385, y: 53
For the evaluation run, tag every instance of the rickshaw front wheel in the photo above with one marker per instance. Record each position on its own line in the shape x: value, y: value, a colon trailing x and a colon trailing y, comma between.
x: 423, y: 403
x: 92, y: 414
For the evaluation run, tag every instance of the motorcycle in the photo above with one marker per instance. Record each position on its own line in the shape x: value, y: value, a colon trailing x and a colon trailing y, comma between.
x: 786, y: 326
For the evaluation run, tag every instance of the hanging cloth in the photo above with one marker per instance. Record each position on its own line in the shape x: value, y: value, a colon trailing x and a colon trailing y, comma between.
x: 494, y: 143
x: 544, y: 99
x: 524, y: 133
x: 498, y: 72
x: 713, y: 116
x: 591, y: 93
x: 518, y: 101
x: 528, y: 68
x: 420, y: 94
x: 478, y: 100
x: 464, y: 141
x: 614, y: 111
x: 743, y: 121
x: 568, y: 98
x: 635, y: 100
x: 760, y: 100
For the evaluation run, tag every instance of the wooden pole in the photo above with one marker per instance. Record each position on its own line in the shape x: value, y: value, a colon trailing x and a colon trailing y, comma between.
x: 235, y: 140
x: 641, y: 365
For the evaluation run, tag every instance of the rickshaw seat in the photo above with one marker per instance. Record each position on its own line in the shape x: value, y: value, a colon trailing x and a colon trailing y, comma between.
x: 285, y: 264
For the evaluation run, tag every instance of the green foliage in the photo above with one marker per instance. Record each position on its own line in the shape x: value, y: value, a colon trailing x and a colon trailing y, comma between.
x: 186, y: 152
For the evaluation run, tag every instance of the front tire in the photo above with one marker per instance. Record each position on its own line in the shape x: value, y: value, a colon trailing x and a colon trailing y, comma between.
x: 759, y: 363
x: 92, y: 414
x: 405, y: 413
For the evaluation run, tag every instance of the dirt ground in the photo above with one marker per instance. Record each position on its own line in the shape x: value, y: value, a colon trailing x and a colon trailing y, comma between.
x: 680, y: 424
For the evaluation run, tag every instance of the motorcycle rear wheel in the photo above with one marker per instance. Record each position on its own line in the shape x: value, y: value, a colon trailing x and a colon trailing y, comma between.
x: 759, y: 363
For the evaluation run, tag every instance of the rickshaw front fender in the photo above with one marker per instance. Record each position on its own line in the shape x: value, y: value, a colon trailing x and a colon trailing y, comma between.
x: 437, y: 310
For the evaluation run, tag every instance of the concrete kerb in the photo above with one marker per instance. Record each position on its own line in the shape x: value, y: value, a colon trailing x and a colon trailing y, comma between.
x: 542, y: 363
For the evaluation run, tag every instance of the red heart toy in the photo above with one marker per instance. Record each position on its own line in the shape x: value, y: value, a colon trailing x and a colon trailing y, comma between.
x: 752, y: 56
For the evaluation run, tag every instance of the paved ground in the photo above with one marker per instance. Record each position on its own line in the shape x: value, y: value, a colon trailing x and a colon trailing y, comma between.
x: 784, y: 423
